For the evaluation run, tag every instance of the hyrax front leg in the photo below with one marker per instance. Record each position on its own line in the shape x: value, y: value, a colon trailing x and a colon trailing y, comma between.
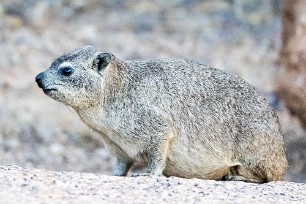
x: 123, y: 163
x: 122, y: 167
x: 157, y: 156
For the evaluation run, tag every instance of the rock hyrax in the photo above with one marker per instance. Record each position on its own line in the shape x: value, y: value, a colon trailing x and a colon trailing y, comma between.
x: 179, y: 117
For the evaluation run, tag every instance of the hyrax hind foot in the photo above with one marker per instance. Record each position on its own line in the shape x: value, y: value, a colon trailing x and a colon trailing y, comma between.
x: 239, y: 178
x: 242, y: 173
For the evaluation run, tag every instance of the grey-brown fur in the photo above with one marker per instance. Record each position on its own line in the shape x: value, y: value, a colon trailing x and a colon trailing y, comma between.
x: 180, y: 117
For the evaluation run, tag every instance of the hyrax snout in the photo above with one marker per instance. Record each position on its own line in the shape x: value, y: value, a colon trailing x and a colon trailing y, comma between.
x: 179, y: 117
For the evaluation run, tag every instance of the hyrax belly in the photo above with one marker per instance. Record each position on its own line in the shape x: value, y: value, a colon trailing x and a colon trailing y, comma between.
x: 197, y: 162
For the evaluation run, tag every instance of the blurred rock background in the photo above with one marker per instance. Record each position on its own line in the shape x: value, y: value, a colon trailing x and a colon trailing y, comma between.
x: 239, y: 36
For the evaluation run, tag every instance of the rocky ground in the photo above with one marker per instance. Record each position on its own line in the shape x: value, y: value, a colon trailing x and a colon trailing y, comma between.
x: 37, y: 132
x: 18, y: 185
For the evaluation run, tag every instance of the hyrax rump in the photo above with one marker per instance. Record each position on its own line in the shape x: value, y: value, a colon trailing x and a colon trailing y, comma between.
x: 179, y: 117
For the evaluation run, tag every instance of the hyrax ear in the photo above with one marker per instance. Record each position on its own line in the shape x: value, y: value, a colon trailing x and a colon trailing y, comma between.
x: 101, y: 60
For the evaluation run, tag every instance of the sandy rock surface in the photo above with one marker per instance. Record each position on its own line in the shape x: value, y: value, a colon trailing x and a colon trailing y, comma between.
x: 19, y: 185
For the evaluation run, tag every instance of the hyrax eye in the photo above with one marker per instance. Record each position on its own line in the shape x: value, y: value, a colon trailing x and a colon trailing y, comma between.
x: 66, y: 71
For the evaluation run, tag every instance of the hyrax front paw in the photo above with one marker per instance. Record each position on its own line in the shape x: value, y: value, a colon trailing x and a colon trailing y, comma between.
x: 145, y: 174
x: 140, y: 174
x: 122, y: 167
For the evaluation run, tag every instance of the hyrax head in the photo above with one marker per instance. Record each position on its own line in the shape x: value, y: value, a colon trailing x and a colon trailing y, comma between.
x: 76, y: 78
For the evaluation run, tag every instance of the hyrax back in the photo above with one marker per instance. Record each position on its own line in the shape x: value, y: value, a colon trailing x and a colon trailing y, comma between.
x: 179, y: 117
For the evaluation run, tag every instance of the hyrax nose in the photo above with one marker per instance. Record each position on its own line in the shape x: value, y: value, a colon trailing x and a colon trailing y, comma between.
x: 39, y: 78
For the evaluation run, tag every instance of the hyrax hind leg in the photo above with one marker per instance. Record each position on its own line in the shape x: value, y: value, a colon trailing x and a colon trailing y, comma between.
x: 262, y: 156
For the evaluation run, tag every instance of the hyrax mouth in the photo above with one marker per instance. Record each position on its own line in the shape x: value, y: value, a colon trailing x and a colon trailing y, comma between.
x: 47, y: 91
